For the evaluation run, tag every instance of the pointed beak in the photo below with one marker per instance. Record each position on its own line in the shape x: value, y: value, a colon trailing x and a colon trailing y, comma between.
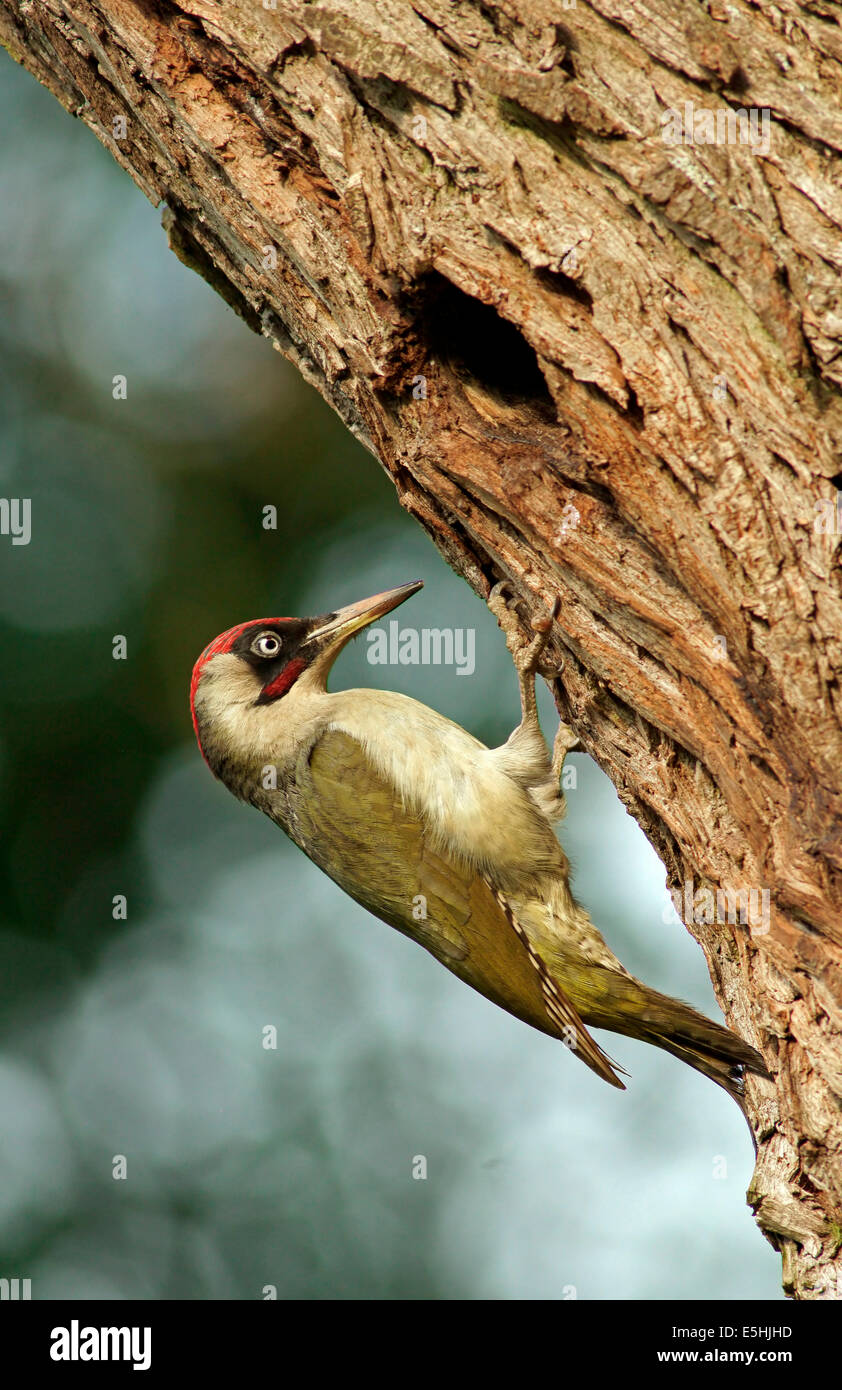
x: 335, y: 629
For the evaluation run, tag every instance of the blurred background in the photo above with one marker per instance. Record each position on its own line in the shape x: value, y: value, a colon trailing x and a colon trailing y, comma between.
x: 250, y: 1169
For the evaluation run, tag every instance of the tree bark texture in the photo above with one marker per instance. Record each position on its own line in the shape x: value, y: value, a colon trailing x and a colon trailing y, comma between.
x: 593, y: 361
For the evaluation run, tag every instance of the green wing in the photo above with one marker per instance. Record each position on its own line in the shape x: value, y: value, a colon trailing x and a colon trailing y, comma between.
x: 351, y: 822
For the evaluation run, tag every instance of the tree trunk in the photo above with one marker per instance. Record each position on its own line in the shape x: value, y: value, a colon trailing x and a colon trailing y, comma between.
x: 595, y: 338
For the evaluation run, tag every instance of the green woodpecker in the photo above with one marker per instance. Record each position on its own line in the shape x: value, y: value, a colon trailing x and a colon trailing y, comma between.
x: 448, y: 841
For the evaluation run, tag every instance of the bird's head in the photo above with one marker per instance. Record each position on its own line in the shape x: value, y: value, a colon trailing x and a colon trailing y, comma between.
x: 257, y: 663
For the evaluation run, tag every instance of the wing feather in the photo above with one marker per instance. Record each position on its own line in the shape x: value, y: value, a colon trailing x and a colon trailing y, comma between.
x: 352, y: 823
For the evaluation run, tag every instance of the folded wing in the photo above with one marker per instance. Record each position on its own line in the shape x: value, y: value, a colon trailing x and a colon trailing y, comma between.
x: 351, y: 822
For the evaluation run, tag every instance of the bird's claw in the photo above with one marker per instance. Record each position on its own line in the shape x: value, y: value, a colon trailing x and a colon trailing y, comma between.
x: 566, y: 740
x: 498, y: 602
x: 501, y: 602
x: 526, y: 653
x: 545, y: 624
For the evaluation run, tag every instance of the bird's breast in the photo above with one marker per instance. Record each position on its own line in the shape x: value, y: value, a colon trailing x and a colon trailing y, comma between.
x: 470, y: 807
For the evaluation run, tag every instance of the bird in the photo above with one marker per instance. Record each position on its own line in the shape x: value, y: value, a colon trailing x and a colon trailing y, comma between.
x: 452, y: 843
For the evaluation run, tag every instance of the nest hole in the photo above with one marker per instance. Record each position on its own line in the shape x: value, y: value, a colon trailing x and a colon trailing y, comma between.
x: 476, y: 341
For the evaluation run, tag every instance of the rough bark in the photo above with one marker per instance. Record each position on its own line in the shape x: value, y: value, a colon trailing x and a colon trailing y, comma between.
x: 592, y: 361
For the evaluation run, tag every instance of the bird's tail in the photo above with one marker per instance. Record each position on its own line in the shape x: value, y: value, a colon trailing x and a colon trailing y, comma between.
x: 606, y: 996
x: 668, y: 1023
x: 712, y: 1050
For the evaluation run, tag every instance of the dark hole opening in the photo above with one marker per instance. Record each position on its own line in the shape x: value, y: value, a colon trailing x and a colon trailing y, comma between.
x: 474, y: 339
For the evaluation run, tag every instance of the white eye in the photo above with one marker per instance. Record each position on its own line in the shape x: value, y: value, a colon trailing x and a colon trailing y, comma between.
x: 266, y: 645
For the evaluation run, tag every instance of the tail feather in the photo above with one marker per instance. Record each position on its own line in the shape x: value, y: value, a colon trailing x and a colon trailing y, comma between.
x: 729, y: 1074
x: 606, y: 996
x: 625, y: 1005
x: 706, y: 1046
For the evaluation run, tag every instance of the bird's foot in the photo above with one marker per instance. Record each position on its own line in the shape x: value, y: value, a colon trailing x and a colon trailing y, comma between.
x: 565, y: 741
x: 526, y: 653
